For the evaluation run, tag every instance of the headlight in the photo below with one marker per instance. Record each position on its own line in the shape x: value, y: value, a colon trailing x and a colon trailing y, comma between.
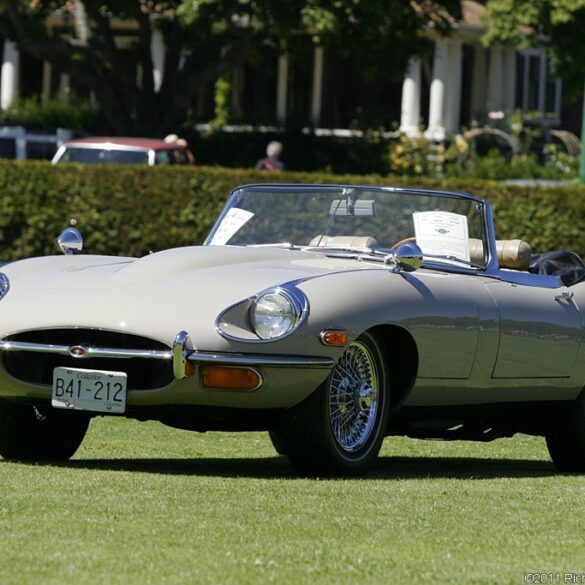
x: 4, y: 285
x: 275, y: 313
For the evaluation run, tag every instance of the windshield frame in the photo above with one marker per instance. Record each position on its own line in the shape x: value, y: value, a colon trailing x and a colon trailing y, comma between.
x: 485, y: 210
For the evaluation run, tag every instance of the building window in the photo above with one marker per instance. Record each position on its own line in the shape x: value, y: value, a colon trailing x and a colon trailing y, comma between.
x: 538, y: 90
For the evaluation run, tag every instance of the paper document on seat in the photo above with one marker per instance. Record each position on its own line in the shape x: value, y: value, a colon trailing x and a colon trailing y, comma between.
x: 442, y: 233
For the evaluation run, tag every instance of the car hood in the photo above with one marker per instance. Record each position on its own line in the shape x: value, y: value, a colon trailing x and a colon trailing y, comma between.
x: 155, y: 296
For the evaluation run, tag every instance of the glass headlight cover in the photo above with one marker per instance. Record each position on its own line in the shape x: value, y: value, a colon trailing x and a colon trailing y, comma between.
x: 275, y: 313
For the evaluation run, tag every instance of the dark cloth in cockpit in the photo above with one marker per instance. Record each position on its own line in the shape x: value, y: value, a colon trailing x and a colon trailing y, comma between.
x: 566, y: 265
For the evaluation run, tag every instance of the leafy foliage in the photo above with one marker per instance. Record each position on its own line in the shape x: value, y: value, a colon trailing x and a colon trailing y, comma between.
x: 204, y: 39
x: 132, y: 210
x: 529, y: 22
x: 72, y: 112
x: 463, y: 158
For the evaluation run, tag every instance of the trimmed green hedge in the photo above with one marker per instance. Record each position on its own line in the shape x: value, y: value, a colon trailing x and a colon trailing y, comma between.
x: 132, y: 210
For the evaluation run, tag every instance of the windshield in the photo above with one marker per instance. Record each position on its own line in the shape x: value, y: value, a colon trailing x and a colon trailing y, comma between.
x: 104, y: 155
x: 446, y: 227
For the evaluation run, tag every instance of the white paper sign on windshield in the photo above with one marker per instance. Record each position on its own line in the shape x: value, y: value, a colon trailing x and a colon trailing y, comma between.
x: 232, y: 222
x: 442, y: 233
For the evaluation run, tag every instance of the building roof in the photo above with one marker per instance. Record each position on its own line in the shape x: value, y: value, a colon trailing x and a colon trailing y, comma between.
x: 473, y: 13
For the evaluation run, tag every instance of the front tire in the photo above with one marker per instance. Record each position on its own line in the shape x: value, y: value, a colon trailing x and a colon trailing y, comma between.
x: 339, y: 429
x: 40, y: 434
x: 565, y: 438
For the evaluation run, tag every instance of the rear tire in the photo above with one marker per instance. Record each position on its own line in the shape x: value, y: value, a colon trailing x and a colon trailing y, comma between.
x: 565, y: 438
x: 40, y: 433
x: 339, y: 429
x: 277, y: 441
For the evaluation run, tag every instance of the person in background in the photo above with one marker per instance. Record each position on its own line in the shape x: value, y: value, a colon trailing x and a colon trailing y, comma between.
x: 174, y: 139
x: 272, y: 162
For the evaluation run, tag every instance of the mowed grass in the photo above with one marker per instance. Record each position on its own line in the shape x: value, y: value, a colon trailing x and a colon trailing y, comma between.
x: 141, y: 503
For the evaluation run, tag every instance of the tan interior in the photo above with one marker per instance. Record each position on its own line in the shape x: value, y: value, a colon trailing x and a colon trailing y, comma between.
x: 514, y: 254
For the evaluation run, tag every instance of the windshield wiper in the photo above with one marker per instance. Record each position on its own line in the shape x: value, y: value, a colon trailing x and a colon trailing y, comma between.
x: 346, y: 249
x: 286, y: 245
x: 453, y: 259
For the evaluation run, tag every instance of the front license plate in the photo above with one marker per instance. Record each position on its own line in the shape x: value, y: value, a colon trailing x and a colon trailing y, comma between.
x: 93, y: 390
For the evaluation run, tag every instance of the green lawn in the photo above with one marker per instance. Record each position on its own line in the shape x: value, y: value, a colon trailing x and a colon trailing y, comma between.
x: 141, y: 503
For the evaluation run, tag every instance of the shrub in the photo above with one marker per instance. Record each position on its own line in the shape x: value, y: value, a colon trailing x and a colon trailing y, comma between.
x: 420, y: 157
x: 126, y: 210
x: 73, y: 112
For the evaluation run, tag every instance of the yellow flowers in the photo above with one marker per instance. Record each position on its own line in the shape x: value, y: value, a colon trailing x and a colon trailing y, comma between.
x: 420, y: 156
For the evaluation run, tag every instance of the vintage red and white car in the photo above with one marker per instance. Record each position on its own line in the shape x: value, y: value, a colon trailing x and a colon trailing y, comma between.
x: 122, y: 150
x: 330, y: 316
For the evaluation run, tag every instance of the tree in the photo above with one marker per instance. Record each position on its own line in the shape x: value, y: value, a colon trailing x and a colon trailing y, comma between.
x: 558, y: 24
x: 204, y: 39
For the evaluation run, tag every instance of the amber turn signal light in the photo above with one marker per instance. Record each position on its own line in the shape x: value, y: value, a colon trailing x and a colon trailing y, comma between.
x: 229, y: 378
x: 334, y: 337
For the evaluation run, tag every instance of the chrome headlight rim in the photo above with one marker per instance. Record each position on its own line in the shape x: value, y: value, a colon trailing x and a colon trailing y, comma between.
x: 298, y: 300
x: 295, y: 302
x: 4, y: 285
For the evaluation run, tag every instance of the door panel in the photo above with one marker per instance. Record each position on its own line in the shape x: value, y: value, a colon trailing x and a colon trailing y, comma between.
x: 539, y: 332
x: 447, y: 327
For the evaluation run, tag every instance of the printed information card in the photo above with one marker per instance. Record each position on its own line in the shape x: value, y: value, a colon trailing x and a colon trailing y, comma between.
x: 233, y: 221
x: 442, y: 233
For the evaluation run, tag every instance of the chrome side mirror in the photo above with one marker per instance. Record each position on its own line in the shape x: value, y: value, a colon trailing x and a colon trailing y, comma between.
x: 70, y: 241
x: 407, y: 257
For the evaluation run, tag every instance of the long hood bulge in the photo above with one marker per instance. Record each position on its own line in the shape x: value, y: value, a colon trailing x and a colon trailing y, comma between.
x: 156, y: 296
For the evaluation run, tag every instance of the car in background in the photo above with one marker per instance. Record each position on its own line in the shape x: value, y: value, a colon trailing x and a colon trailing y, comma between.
x: 120, y: 150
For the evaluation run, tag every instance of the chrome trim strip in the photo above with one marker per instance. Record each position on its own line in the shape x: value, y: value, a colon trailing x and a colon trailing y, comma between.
x: 186, y: 355
x: 261, y: 360
x: 96, y: 352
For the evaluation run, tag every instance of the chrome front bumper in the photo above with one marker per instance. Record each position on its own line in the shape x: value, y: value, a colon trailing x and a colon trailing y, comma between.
x: 181, y: 353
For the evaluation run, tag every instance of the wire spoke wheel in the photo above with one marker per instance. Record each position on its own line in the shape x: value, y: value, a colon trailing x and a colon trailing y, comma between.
x: 354, y: 396
x: 338, y: 430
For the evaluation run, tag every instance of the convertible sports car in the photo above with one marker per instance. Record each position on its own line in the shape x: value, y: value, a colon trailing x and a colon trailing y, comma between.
x: 329, y: 315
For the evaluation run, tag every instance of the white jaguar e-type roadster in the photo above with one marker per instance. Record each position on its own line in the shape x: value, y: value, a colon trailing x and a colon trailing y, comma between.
x: 331, y: 316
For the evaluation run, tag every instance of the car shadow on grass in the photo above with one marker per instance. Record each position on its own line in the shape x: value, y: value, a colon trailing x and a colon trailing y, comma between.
x: 389, y: 468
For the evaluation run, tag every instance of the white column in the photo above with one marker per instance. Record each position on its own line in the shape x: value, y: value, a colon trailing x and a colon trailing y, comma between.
x: 282, y: 88
x: 47, y: 74
x: 81, y: 23
x: 317, y: 95
x: 478, y: 87
x: 410, y: 110
x: 453, y: 101
x: 157, y: 50
x: 9, y: 75
x: 436, y: 129
x: 509, y: 72
x: 495, y: 79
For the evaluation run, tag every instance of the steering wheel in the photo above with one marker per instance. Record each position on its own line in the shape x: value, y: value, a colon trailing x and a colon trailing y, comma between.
x: 404, y: 241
